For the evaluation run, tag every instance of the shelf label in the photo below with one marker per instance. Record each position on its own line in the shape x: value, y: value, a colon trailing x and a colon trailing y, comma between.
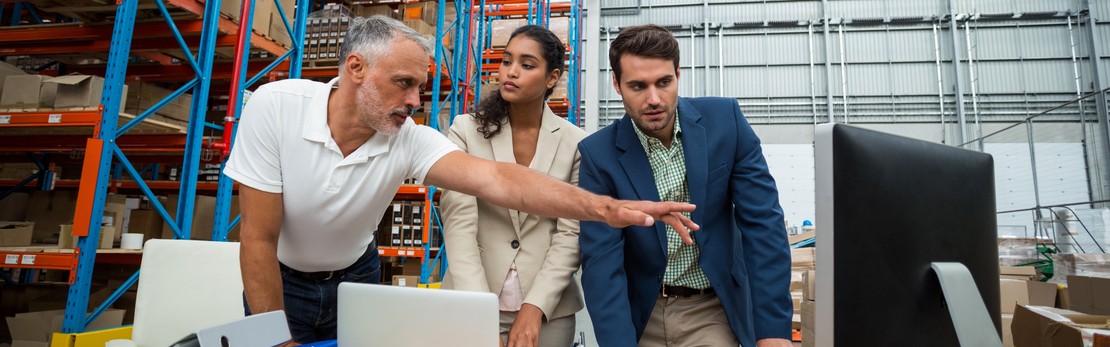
x: 28, y: 259
x: 381, y: 252
x: 5, y: 119
x: 410, y: 253
x: 54, y: 118
x: 11, y: 259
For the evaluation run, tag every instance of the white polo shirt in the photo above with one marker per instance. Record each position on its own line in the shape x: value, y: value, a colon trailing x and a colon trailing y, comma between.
x: 332, y: 204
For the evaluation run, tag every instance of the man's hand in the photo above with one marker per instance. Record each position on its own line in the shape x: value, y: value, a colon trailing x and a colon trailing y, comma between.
x: 526, y: 327
x: 623, y: 213
x: 774, y: 343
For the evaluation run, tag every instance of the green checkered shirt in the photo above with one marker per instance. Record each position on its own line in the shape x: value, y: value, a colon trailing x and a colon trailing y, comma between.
x: 668, y: 166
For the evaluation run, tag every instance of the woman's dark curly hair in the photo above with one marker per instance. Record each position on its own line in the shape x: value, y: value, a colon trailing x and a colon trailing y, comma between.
x: 493, y: 111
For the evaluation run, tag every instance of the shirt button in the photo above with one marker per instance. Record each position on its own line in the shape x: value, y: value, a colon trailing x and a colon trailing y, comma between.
x: 515, y: 244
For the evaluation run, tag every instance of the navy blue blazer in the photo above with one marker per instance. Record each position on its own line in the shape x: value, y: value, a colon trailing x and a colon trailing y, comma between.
x: 743, y: 244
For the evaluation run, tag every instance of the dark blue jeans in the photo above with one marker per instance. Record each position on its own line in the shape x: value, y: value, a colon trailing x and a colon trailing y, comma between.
x: 310, y: 304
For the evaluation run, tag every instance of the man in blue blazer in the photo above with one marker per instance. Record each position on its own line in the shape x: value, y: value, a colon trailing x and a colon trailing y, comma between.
x: 649, y: 286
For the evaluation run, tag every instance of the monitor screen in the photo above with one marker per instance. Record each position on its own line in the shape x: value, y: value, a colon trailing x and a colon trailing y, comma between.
x: 887, y: 208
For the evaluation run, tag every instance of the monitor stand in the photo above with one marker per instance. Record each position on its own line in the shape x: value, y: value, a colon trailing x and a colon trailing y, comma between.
x: 973, y: 323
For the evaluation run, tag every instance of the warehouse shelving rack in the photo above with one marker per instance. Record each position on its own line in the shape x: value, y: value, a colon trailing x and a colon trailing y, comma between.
x: 536, y: 12
x: 109, y: 142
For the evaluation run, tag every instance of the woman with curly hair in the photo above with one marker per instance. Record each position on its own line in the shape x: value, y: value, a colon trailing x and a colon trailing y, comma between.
x: 528, y: 261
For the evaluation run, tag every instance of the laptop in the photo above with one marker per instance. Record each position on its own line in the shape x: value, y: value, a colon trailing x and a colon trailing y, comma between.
x: 380, y: 315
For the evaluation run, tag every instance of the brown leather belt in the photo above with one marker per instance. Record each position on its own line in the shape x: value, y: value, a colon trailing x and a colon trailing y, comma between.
x: 676, y: 291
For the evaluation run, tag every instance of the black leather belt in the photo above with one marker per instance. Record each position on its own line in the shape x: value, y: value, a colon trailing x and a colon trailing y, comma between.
x: 676, y: 291
x: 320, y: 276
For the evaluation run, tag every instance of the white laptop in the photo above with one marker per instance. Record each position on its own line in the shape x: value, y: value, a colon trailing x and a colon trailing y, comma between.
x: 380, y: 315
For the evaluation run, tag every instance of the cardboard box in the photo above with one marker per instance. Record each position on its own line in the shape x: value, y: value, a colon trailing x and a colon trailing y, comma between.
x: 16, y: 233
x: 22, y: 91
x: 373, y: 10
x: 75, y: 90
x: 809, y: 315
x: 1018, y: 272
x: 204, y: 216
x: 1007, y: 330
x: 141, y: 96
x: 8, y: 70
x: 503, y: 29
x: 1089, y: 294
x: 35, y: 328
x: 809, y: 285
x: 66, y: 239
x: 1038, y: 326
x: 146, y: 222
x: 1023, y: 292
x: 802, y: 258
x: 421, y: 27
x: 49, y: 210
x: 406, y: 281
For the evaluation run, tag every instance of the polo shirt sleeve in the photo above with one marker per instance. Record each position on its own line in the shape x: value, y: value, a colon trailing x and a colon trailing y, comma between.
x: 425, y: 146
x: 255, y: 159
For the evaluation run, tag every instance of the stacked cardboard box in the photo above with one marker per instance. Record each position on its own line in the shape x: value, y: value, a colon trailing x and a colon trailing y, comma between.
x: 1017, y: 250
x: 1022, y: 292
x: 267, y: 19
x: 16, y: 233
x: 141, y: 96
x: 801, y: 260
x: 62, y: 92
x: 808, y: 307
x: 326, y: 30
x: 503, y: 30
x: 1040, y: 326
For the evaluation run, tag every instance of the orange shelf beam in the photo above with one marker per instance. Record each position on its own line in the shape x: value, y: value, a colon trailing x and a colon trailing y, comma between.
x: 408, y: 252
x: 38, y: 260
x: 49, y: 119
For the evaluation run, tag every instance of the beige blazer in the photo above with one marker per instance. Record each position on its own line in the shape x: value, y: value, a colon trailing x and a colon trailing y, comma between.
x: 480, y: 236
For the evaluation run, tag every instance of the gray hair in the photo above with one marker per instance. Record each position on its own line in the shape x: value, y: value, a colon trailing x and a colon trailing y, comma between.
x: 372, y: 36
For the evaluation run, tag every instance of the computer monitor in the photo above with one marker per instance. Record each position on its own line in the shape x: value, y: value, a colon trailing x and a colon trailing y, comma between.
x: 379, y: 315
x: 890, y: 211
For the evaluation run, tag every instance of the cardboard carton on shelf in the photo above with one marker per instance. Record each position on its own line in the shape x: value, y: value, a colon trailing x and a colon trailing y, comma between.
x: 49, y: 210
x: 23, y: 91
x: 66, y: 239
x: 14, y: 234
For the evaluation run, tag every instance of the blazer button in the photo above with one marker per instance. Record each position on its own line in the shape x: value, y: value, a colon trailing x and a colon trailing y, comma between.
x: 515, y: 244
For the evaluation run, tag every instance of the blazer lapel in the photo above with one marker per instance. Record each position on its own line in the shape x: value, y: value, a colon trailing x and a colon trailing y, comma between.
x: 547, y: 146
x: 636, y: 166
x: 547, y: 143
x: 696, y: 154
x: 502, y: 144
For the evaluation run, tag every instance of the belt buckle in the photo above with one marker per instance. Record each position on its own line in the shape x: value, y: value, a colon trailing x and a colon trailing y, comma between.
x: 664, y: 291
x: 329, y: 276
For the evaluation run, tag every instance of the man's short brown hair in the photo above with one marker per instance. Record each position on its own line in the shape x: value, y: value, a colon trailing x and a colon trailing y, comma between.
x: 649, y: 40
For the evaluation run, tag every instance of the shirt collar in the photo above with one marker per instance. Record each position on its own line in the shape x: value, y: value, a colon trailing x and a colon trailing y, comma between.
x: 651, y: 143
x: 316, y: 123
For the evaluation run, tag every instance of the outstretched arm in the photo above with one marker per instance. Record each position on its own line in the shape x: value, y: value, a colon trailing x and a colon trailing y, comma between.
x: 520, y: 188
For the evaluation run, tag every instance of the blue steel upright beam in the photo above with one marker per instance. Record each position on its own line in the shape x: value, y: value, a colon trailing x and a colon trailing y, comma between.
x: 433, y: 114
x: 220, y: 226
x: 101, y: 146
x: 191, y: 163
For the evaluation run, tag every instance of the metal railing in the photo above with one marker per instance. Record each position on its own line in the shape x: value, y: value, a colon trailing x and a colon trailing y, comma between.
x: 1052, y: 173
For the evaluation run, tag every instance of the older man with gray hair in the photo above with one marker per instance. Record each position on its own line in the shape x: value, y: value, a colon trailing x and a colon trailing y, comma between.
x: 319, y: 163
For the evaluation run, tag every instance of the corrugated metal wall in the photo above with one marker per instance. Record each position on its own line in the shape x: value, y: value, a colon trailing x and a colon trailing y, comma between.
x: 882, y: 56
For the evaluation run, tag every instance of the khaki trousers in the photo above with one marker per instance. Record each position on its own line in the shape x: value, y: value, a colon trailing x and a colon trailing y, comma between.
x: 688, y: 321
x: 558, y: 332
